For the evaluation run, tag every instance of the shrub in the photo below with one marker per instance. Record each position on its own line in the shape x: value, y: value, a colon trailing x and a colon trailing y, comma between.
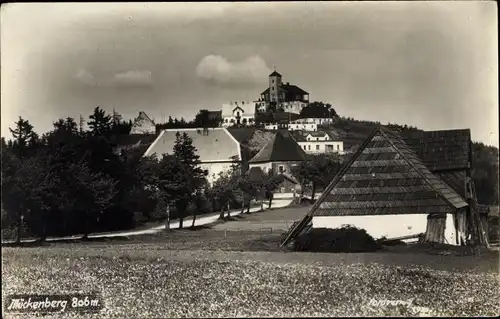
x: 160, y: 211
x: 493, y: 228
x: 343, y: 239
x: 393, y: 242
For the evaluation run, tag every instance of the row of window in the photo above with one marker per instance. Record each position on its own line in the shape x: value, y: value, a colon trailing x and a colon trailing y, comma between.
x: 317, y: 139
x: 244, y: 121
x: 328, y: 147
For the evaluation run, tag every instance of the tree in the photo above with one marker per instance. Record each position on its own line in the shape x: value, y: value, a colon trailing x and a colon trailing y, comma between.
x: 258, y: 180
x: 25, y: 143
x: 318, y: 171
x: 25, y: 138
x: 180, y: 178
x: 199, y: 200
x: 100, y: 123
x: 42, y: 192
x: 222, y: 191
x: 65, y: 142
x: 271, y: 183
x: 190, y: 174
x: 318, y: 109
x: 485, y: 173
x: 92, y: 194
x: 203, y: 119
x: 12, y: 193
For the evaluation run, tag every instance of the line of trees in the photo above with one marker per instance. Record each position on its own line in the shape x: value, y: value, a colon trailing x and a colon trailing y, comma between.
x: 203, y: 118
x: 318, y: 110
x: 71, y: 181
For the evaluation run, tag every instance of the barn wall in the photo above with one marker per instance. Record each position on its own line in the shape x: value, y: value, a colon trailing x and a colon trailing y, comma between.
x: 387, y: 225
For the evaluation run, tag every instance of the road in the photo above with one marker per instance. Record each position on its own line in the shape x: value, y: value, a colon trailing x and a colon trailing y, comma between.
x: 201, y: 220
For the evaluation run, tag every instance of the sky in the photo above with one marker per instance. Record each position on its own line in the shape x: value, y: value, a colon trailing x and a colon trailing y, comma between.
x: 428, y: 64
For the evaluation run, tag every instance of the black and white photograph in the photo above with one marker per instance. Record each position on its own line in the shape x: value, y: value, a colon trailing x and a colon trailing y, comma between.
x: 249, y: 159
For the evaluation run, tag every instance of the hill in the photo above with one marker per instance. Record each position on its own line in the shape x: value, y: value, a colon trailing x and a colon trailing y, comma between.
x: 353, y: 132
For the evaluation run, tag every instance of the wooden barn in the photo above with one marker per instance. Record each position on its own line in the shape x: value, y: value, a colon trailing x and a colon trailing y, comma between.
x: 396, y: 185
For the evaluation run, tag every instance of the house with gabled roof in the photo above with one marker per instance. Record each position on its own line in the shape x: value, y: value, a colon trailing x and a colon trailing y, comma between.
x: 396, y: 185
x: 143, y: 124
x: 238, y: 113
x: 319, y: 142
x: 217, y: 148
x: 280, y: 154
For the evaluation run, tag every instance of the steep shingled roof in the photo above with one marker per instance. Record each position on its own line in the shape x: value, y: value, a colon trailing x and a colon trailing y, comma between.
x: 282, y: 147
x: 384, y: 176
x: 293, y: 89
x: 289, y: 89
x: 441, y: 150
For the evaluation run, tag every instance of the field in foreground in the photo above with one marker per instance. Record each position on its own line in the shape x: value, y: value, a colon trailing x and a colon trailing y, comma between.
x: 146, y: 280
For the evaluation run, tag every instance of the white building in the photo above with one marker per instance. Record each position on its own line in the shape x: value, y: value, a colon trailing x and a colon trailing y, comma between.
x: 319, y: 142
x: 310, y: 127
x: 298, y: 126
x: 238, y: 113
x: 314, y: 120
x: 217, y: 148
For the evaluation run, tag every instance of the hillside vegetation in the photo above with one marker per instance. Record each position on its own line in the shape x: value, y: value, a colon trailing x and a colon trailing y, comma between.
x: 353, y: 132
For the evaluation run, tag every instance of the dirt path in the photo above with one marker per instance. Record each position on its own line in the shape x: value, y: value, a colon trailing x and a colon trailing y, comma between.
x: 200, y: 221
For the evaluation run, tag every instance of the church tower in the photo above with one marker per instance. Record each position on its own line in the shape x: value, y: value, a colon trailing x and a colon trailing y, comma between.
x: 274, y: 84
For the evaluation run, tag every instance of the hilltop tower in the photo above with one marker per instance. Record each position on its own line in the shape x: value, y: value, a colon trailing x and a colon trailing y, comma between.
x: 274, y: 86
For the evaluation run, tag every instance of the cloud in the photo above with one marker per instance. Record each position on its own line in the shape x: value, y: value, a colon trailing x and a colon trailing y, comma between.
x: 85, y: 77
x: 129, y: 78
x: 134, y: 78
x: 217, y: 69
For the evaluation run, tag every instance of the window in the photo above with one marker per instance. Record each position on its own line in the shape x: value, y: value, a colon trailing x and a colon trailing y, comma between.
x: 317, y: 147
x: 304, y: 147
x: 205, y: 172
x: 272, y: 88
x: 272, y: 81
x: 281, y: 169
x: 317, y: 138
x: 338, y: 147
x: 309, y: 147
x: 238, y: 114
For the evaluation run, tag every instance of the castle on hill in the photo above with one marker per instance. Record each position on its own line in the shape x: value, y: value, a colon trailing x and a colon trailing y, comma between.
x: 279, y: 96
